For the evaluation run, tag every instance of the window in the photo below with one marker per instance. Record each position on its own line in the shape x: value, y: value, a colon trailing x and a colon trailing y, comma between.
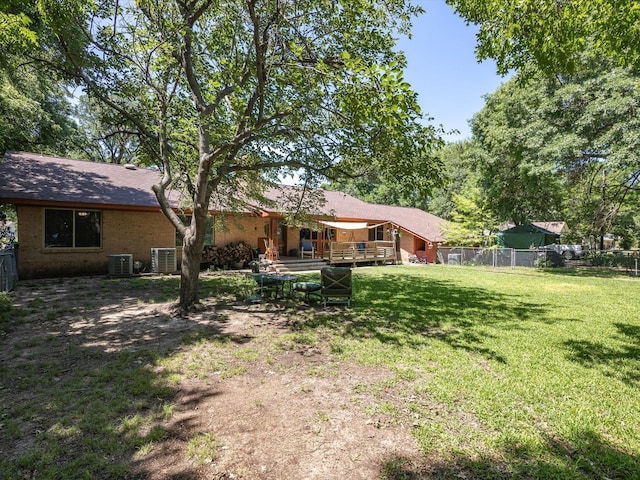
x: 376, y: 233
x: 72, y: 228
x: 305, y: 234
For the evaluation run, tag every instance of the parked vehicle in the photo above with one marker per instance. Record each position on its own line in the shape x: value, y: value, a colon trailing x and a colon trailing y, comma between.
x: 569, y: 252
x: 548, y: 257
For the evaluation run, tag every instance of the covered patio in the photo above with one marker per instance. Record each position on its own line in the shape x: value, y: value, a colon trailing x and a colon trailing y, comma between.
x: 353, y: 242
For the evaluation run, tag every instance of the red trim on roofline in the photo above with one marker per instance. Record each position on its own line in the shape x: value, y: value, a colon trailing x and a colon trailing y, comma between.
x: 77, y: 205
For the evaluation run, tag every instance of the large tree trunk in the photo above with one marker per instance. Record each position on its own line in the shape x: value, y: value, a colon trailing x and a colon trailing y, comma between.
x: 191, y: 256
x: 189, y: 274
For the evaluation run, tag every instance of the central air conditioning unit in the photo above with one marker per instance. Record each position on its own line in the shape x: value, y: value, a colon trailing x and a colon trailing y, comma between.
x: 163, y: 260
x: 121, y: 265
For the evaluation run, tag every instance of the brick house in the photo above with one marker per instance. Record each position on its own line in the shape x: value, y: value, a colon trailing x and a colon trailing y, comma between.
x: 73, y: 215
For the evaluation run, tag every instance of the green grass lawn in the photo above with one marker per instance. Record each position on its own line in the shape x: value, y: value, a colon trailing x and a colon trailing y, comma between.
x: 498, y: 373
x: 513, y: 373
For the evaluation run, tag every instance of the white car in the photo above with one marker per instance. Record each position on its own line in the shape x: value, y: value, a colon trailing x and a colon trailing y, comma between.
x: 569, y: 252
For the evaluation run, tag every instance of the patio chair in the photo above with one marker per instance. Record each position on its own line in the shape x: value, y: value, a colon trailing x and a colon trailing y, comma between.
x: 306, y: 248
x: 270, y: 253
x: 336, y: 285
x: 308, y: 289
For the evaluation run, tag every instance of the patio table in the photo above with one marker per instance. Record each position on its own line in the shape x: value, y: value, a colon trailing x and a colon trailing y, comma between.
x: 283, y: 282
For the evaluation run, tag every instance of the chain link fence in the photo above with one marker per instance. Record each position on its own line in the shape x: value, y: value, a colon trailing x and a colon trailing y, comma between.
x: 497, y: 257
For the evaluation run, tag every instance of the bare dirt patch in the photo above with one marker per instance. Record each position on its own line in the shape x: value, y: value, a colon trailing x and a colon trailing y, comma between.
x: 245, y: 394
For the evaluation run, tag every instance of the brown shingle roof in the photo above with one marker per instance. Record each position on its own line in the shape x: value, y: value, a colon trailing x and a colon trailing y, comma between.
x: 35, y: 178
x: 40, y: 178
x: 414, y: 220
x: 554, y: 227
x: 345, y: 207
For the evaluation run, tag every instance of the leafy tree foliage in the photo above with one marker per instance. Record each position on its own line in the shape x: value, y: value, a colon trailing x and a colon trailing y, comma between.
x: 470, y: 219
x: 35, y: 112
x: 374, y: 188
x: 225, y: 96
x: 627, y: 226
x: 553, y: 34
x: 16, y: 30
x: 461, y: 200
x: 460, y: 175
x: 521, y: 186
x: 562, y: 146
x: 109, y: 136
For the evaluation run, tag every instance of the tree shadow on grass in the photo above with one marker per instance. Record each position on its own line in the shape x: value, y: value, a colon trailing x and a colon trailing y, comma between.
x: 586, y: 455
x: 405, y: 309
x: 80, y: 378
x: 165, y: 288
x: 618, y: 357
x: 594, y: 272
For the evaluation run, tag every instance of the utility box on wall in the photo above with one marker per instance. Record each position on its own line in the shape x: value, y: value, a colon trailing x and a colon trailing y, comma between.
x: 163, y: 260
x: 121, y: 265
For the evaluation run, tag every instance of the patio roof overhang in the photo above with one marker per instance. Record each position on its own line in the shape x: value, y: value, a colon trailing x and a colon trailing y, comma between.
x: 346, y: 225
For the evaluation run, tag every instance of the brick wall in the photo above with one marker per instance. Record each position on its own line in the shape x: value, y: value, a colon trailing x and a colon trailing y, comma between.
x: 136, y: 233
x: 293, y: 240
x: 237, y: 228
x: 122, y: 232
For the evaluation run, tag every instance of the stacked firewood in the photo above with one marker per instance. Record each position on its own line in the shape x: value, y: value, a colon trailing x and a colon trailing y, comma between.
x: 233, y: 255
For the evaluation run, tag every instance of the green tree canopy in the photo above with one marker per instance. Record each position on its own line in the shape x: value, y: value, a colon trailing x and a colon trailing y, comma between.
x: 470, y: 219
x: 109, y: 136
x: 553, y: 34
x: 460, y: 175
x: 562, y: 146
x: 35, y: 111
x: 225, y: 96
x: 520, y: 185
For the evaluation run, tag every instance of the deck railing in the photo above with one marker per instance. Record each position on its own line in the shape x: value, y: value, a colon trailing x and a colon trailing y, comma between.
x: 361, y: 252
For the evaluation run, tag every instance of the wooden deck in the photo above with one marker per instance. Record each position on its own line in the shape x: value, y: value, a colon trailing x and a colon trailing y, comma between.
x: 360, y: 252
x: 339, y: 253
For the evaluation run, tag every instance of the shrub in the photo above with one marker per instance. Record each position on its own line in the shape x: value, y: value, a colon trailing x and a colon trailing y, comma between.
x: 612, y: 259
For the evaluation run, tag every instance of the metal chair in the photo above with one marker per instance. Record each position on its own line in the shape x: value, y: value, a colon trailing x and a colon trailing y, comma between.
x: 308, y: 289
x: 336, y: 285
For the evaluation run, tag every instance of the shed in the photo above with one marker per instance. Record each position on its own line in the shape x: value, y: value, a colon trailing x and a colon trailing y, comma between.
x: 525, y: 235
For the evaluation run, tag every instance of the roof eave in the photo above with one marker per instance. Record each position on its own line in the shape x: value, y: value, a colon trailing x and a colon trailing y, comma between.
x: 70, y: 204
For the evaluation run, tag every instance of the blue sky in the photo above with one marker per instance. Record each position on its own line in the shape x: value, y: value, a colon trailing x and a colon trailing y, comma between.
x: 443, y: 70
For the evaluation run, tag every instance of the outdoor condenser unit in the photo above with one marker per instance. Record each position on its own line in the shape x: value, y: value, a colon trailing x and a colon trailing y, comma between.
x: 163, y: 260
x: 121, y: 265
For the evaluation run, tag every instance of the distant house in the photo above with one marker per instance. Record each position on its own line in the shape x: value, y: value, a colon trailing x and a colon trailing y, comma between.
x: 557, y: 228
x: 73, y: 215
